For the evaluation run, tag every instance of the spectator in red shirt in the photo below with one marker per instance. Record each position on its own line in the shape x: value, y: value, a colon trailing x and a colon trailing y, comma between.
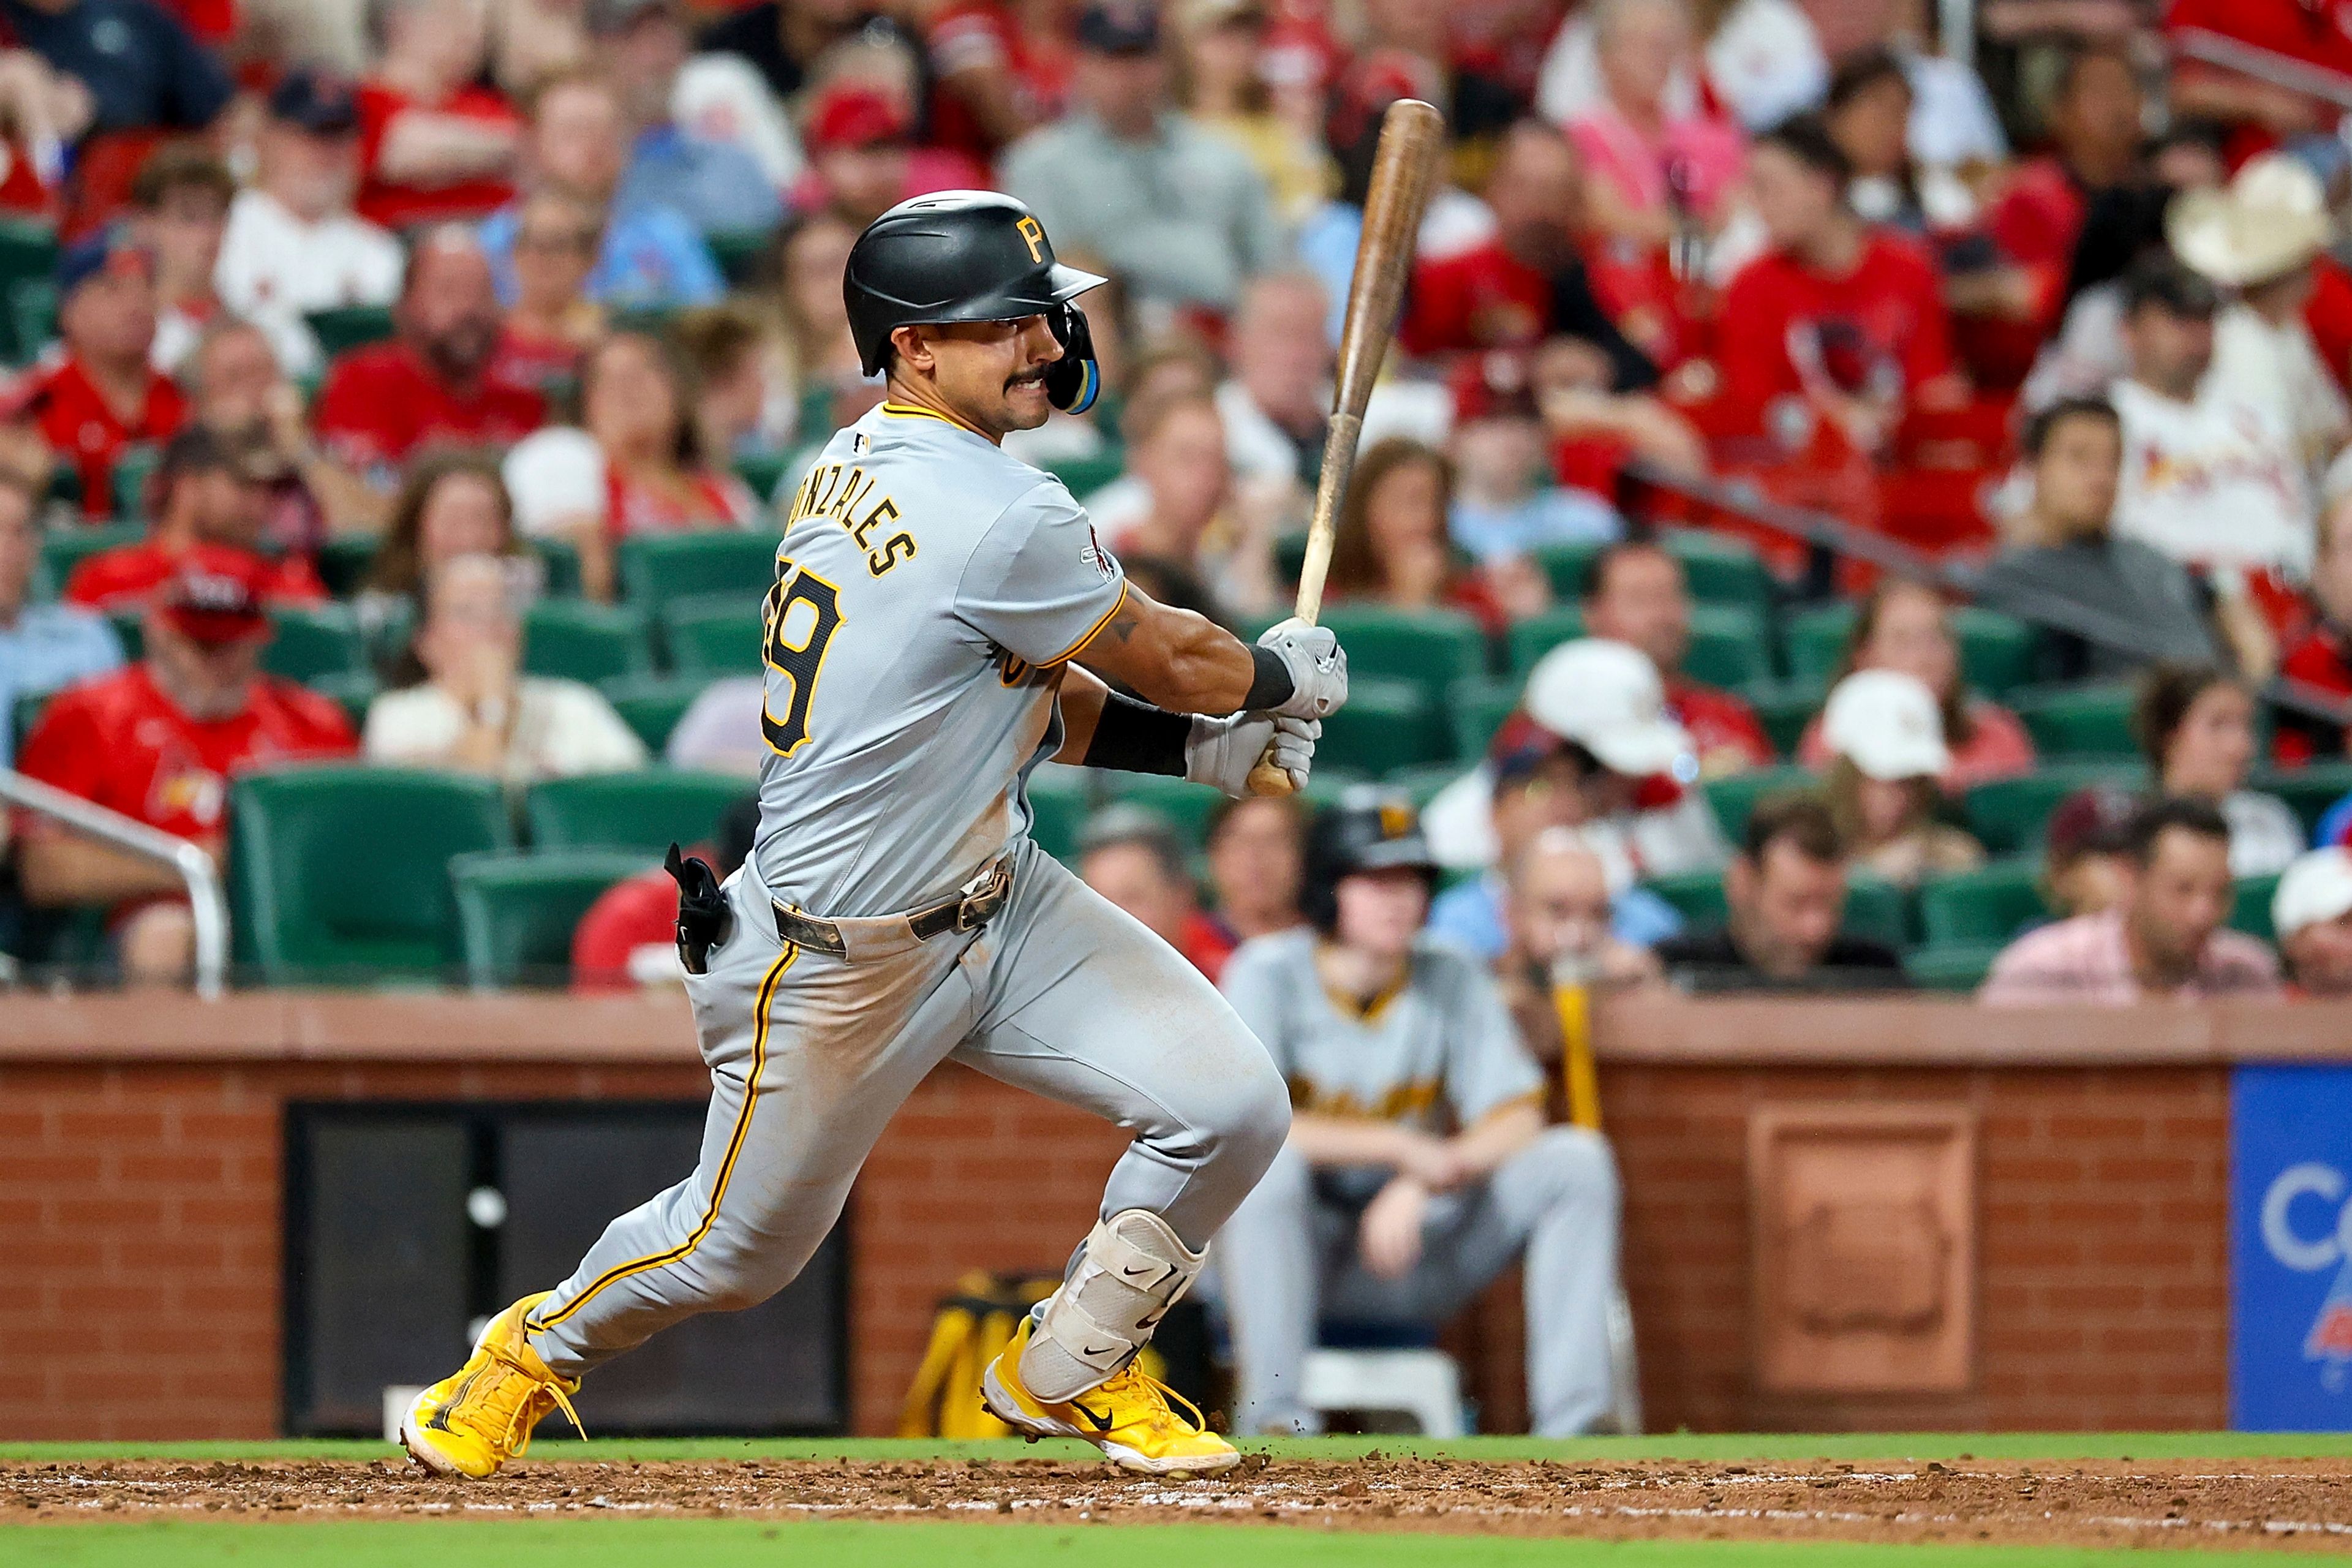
x: 554, y: 321
x: 1904, y: 626
x: 82, y: 409
x: 1839, y: 324
x: 862, y: 156
x: 2322, y: 656
x: 994, y: 78
x: 433, y: 144
x: 159, y: 742
x: 1131, y: 856
x: 628, y: 938
x: 1527, y: 283
x: 2316, y: 34
x: 210, y: 490
x: 433, y: 384
x: 1391, y: 546
x: 1636, y: 593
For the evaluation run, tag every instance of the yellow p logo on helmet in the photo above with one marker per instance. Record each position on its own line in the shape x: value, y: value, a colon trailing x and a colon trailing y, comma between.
x: 1035, y: 236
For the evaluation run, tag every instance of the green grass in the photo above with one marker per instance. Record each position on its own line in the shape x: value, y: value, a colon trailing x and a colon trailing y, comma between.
x: 722, y: 1544
x: 1718, y: 1446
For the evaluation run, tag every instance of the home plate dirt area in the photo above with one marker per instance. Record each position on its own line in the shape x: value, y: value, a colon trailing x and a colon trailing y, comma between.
x: 2287, y: 1504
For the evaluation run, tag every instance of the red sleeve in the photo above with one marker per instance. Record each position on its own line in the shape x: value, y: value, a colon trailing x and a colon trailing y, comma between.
x: 1751, y: 344
x: 2329, y: 314
x: 1436, y: 315
x: 326, y: 728
x: 349, y: 415
x: 295, y: 582
x: 99, y: 583
x: 1929, y: 352
x: 378, y: 107
x: 627, y: 916
x: 66, y: 751
x: 21, y: 399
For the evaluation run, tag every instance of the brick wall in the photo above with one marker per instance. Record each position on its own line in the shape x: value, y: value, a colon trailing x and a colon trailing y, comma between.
x: 139, y: 1209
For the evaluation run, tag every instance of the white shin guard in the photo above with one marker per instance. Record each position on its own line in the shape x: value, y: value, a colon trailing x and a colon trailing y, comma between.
x: 1133, y: 1269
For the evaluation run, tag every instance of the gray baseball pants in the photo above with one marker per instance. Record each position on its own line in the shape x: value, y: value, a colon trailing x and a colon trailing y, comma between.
x: 810, y: 1055
x: 1289, y: 1257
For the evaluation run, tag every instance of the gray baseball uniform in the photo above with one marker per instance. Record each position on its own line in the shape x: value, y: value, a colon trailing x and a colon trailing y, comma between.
x: 1438, y: 1054
x: 927, y: 587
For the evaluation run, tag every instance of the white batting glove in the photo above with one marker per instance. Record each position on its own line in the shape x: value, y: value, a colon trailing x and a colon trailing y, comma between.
x: 1317, y: 666
x: 1222, y: 751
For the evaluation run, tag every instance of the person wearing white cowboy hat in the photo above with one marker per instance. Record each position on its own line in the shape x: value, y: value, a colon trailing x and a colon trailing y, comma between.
x: 2259, y: 236
x: 1885, y: 737
x: 1643, y: 815
x: 2311, y: 915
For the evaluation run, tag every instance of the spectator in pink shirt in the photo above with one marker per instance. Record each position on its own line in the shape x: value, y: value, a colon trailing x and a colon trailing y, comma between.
x: 2165, y: 939
x: 1652, y: 172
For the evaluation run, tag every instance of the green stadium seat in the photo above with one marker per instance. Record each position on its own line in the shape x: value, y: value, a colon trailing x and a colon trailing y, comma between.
x: 652, y: 704
x: 2310, y: 790
x: 2069, y: 721
x: 32, y: 316
x: 1721, y: 569
x: 1958, y: 967
x: 657, y: 569
x: 1432, y: 648
x: 1734, y: 795
x: 352, y: 690
x: 2008, y: 814
x: 1696, y: 896
x: 1420, y: 784
x: 1878, y: 909
x: 2250, y: 906
x: 648, y: 809
x: 1477, y: 709
x: 1529, y: 640
x: 63, y: 548
x: 1816, y: 642
x: 1568, y: 565
x: 1731, y: 645
x: 1785, y: 707
x: 347, y: 327
x: 1084, y: 475
x: 23, y: 715
x: 762, y: 474
x: 1989, y: 904
x: 741, y: 252
x: 134, y: 467
x: 1060, y: 799
x: 559, y: 560
x: 516, y: 912
x: 312, y: 640
x: 1186, y: 805
x: 343, y: 561
x: 28, y: 254
x: 581, y: 641
x: 1387, y: 724
x: 1997, y: 652
x: 713, y: 634
x: 130, y: 631
x: 340, y: 871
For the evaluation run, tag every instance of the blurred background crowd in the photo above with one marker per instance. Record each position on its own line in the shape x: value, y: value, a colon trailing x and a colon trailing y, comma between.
x: 411, y: 386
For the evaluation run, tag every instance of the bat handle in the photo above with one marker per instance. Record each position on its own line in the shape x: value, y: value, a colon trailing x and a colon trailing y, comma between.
x: 1267, y: 779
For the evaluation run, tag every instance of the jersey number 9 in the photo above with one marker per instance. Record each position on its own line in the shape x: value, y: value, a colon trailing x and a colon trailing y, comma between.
x: 798, y: 662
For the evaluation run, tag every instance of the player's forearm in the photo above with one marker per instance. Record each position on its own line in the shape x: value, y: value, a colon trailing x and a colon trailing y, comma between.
x: 1174, y: 659
x: 1496, y: 1136
x: 1349, y: 1140
x: 63, y: 870
x: 1081, y: 698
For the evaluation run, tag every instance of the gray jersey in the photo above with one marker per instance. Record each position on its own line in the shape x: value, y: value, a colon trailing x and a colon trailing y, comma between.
x: 928, y: 589
x: 1439, y: 1053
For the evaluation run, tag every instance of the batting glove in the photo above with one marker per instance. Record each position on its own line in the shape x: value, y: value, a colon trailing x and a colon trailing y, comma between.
x: 1317, y: 666
x: 1222, y: 751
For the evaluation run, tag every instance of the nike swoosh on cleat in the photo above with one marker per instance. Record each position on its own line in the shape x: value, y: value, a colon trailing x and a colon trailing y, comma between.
x: 1105, y: 1350
x: 1099, y: 1422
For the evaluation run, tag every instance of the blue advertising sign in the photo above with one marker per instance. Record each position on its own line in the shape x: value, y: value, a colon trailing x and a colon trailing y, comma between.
x: 2291, y: 1249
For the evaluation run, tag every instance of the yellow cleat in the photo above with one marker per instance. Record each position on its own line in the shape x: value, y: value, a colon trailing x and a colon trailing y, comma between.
x: 1129, y: 1417
x: 478, y: 1418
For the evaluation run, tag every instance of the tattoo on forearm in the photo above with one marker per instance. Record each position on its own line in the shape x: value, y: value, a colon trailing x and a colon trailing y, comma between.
x: 1123, y: 625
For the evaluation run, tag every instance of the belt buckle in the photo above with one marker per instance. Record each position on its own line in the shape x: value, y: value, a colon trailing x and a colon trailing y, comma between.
x: 974, y: 910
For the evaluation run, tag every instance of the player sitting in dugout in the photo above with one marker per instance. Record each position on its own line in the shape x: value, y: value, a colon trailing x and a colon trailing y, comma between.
x: 1418, y: 1166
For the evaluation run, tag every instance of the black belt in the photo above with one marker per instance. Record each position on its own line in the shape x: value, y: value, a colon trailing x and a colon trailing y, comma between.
x: 966, y: 911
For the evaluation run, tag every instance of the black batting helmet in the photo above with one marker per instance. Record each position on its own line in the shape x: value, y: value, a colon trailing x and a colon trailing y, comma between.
x: 1368, y: 829
x: 968, y: 256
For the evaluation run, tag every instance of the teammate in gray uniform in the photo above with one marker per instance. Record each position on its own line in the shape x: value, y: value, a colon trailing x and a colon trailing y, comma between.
x: 1418, y: 1165
x: 936, y: 611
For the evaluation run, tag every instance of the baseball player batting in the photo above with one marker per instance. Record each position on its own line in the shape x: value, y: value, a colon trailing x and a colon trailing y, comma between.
x: 939, y: 617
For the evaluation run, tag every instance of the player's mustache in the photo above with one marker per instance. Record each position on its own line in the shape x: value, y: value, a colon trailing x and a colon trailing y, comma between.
x: 1027, y: 378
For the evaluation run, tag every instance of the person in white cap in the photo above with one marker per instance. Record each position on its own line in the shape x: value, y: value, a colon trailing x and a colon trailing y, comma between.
x: 1641, y: 810
x: 2260, y: 235
x: 1886, y: 742
x: 2311, y: 915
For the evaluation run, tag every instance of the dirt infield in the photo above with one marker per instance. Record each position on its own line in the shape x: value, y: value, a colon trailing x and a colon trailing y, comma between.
x: 2283, y: 1503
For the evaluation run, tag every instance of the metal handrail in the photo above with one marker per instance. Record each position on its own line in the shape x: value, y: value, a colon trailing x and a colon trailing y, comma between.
x: 2051, y: 611
x: 135, y: 838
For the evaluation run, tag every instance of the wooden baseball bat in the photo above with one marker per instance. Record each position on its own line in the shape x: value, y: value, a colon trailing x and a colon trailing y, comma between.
x: 1404, y: 166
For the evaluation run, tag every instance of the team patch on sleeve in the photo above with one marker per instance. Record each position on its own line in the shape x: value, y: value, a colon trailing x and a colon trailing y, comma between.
x: 1105, y: 564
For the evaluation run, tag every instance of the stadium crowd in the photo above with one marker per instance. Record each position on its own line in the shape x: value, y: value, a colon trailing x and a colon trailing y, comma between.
x: 417, y: 387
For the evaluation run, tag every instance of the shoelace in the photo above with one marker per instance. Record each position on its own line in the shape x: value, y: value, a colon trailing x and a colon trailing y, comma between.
x: 530, y: 1406
x: 1162, y: 1417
